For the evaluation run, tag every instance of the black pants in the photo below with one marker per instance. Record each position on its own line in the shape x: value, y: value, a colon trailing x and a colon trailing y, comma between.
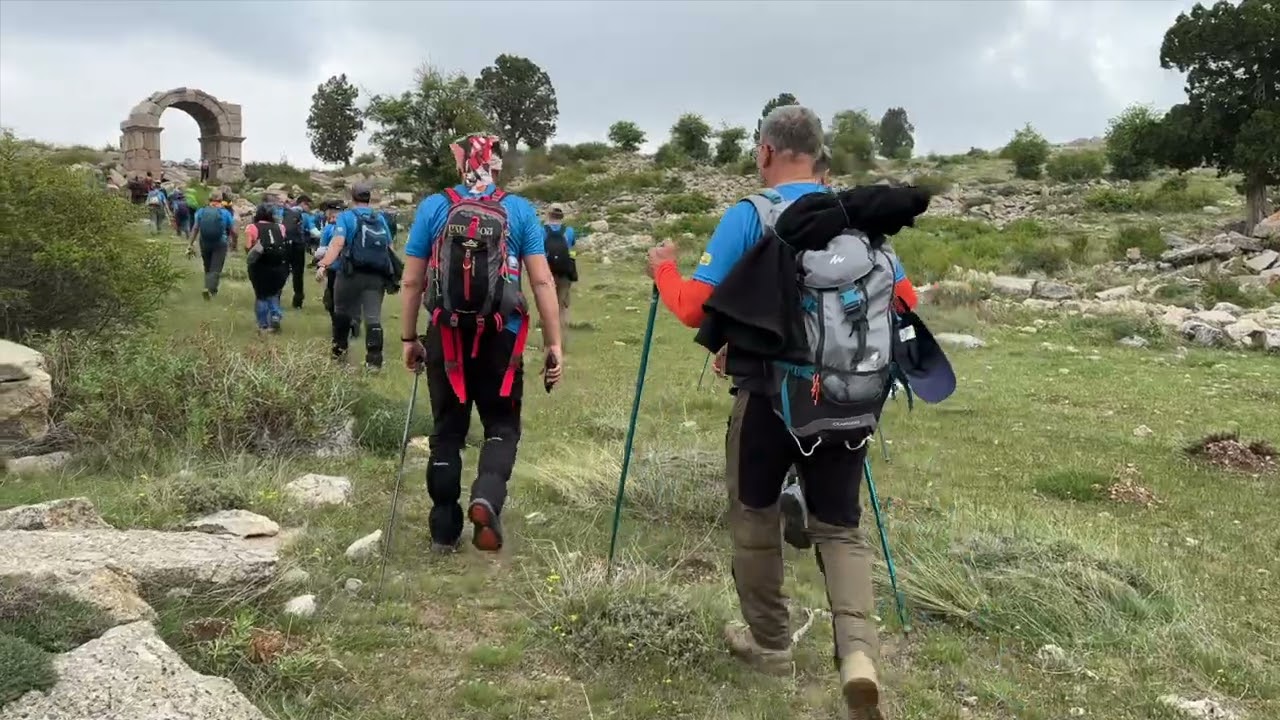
x: 298, y: 268
x: 831, y: 476
x: 267, y: 278
x: 213, y: 256
x: 452, y: 417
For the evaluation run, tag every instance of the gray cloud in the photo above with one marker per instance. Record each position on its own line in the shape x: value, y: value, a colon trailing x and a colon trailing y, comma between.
x: 968, y: 73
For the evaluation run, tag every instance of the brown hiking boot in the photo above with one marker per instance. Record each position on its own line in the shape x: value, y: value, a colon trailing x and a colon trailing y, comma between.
x: 742, y: 644
x: 860, y: 687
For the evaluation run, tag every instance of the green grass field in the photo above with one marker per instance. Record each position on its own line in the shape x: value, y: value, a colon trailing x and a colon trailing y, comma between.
x: 998, y: 511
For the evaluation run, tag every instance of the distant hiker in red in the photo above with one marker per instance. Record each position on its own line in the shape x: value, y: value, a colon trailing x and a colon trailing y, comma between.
x: 464, y: 257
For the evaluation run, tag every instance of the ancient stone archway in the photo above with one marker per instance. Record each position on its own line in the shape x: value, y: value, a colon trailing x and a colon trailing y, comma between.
x: 220, y: 130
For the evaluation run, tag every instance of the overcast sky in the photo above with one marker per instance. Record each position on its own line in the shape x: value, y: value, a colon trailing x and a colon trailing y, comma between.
x: 968, y: 73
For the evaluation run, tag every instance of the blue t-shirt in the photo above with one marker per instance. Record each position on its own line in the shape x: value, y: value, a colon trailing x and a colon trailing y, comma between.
x: 346, y: 225
x: 570, y: 236
x: 228, y: 220
x: 525, y: 234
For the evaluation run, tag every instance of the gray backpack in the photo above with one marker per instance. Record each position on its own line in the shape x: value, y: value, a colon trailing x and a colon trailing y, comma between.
x: 846, y: 292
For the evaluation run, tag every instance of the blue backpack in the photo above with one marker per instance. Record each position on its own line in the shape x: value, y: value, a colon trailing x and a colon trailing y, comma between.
x: 213, y: 227
x: 369, y: 248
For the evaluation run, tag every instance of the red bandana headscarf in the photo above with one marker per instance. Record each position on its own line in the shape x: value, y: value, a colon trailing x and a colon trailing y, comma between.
x: 475, y: 156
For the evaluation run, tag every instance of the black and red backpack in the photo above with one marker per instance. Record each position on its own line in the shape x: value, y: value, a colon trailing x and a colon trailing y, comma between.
x: 471, y: 282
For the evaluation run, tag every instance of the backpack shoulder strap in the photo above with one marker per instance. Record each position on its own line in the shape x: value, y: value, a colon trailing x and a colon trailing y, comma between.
x: 764, y: 202
x: 454, y: 197
x: 498, y: 194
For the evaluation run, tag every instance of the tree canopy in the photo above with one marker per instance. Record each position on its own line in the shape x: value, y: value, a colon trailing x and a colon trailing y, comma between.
x: 519, y: 99
x: 335, y: 120
x: 895, y: 134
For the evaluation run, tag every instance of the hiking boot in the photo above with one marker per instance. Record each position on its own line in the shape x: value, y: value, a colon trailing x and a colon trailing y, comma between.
x: 795, y: 517
x: 206, y: 294
x: 860, y: 687
x: 355, y: 330
x: 488, y: 530
x: 297, y: 302
x: 442, y: 548
x: 742, y: 644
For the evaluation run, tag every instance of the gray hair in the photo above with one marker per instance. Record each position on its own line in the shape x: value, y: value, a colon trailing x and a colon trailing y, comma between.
x: 793, y: 128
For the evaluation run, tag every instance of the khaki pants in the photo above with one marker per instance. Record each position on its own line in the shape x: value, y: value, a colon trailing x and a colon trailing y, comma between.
x: 759, y: 451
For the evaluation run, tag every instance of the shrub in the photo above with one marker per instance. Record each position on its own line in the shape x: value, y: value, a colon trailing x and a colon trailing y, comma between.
x: 685, y: 203
x: 1177, y: 292
x: 534, y: 162
x: 934, y: 183
x: 935, y: 245
x: 700, y: 226
x: 69, y: 259
x: 729, y: 145
x: 1131, y: 142
x: 367, y: 158
x: 23, y: 667
x: 74, y: 155
x: 1147, y: 238
x: 1223, y: 288
x: 201, y: 496
x: 1174, y: 195
x: 1076, y: 165
x: 137, y: 394
x: 671, y: 156
x: 265, y: 173
x: 562, y: 187
x: 1045, y: 256
x: 689, y: 135
x: 591, y: 151
x: 626, y: 136
x: 1028, y: 150
x: 645, y: 180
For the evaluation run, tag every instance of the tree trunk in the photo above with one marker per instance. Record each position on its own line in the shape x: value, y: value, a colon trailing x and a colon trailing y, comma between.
x: 1255, y: 192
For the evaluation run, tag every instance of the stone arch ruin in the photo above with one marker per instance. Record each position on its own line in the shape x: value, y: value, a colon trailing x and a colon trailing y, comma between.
x: 220, y: 129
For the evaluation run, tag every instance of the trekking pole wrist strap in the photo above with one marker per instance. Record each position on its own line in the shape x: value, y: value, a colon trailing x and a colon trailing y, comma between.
x: 413, y: 339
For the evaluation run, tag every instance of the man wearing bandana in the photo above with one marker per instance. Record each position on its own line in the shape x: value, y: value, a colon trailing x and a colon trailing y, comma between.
x: 473, y: 358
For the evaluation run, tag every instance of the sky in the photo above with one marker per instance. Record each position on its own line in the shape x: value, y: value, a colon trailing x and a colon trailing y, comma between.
x: 968, y: 73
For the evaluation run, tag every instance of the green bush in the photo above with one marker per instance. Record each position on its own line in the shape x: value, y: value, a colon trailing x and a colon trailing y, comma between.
x: 1043, y: 256
x: 1174, y: 195
x: 75, y: 154
x: 1144, y: 237
x: 934, y: 183
x: 685, y: 203
x: 626, y: 135
x: 367, y: 158
x: 1028, y: 150
x: 729, y: 145
x: 700, y: 226
x: 689, y: 134
x: 1131, y: 142
x: 71, y: 257
x: 23, y: 667
x: 935, y: 245
x: 1076, y: 165
x: 134, y: 395
x: 563, y: 154
x: 50, y: 621
x: 647, y: 180
x: 562, y: 187
x: 671, y: 156
x: 266, y: 173
x: 535, y: 162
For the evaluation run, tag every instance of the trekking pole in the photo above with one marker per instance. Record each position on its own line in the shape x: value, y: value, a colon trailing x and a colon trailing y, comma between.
x: 631, y: 428
x: 705, y: 363
x: 395, y: 494
x: 884, y: 445
x: 884, y: 543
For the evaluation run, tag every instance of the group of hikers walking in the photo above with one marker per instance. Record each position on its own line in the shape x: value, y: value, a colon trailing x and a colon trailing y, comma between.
x: 798, y: 296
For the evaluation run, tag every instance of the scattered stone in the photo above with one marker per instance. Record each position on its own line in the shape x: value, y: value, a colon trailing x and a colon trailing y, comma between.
x: 1014, y: 287
x: 1211, y: 210
x: 157, y: 560
x: 1174, y: 317
x: 1215, y: 317
x: 1227, y: 307
x: 1201, y: 333
x: 1117, y: 293
x: 340, y: 442
x: 131, y: 673
x: 420, y: 444
x: 25, y: 393
x: 295, y: 576
x: 1205, y: 709
x: 301, y: 606
x: 37, y: 464
x: 957, y: 340
x: 111, y: 590
x: 1271, y: 340
x: 1266, y: 259
x: 1188, y: 254
x: 240, y: 523
x: 1243, y: 331
x: 314, y: 490
x: 1271, y: 276
x: 1173, y: 241
x: 600, y: 226
x: 1134, y: 341
x: 1143, y: 431
x: 1133, y: 254
x: 1269, y: 227
x: 1052, y: 656
x: 68, y: 514
x: 365, y: 546
x: 1049, y: 290
x: 353, y: 585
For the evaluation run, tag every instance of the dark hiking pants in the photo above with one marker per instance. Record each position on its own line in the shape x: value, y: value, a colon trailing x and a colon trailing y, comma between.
x: 213, y: 255
x: 356, y: 297
x: 759, y: 451
x: 500, y: 416
x: 298, y: 268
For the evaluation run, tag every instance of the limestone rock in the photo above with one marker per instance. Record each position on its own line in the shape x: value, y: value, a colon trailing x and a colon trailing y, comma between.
x: 38, y: 464
x: 1243, y: 331
x: 1242, y: 242
x: 67, y: 514
x: 1270, y: 276
x: 1204, y: 709
x: 314, y: 490
x: 131, y: 674
x: 1117, y: 293
x: 158, y: 560
x: 420, y: 444
x: 1201, y: 333
x: 1014, y: 287
x: 25, y: 392
x: 301, y: 606
x: 111, y: 590
x: 240, y: 523
x: 957, y: 340
x: 1227, y: 307
x: 1174, y: 317
x: 365, y: 546
x: 353, y: 586
x: 295, y: 576
x: 1263, y: 260
x: 1271, y: 341
x: 1049, y: 290
x: 1217, y: 318
x: 1133, y: 254
x: 1134, y: 341
x: 1188, y: 255
x: 1268, y: 228
x: 340, y: 442
x: 601, y: 226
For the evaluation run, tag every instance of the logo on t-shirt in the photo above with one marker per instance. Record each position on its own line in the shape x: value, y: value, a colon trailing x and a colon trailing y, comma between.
x: 705, y: 259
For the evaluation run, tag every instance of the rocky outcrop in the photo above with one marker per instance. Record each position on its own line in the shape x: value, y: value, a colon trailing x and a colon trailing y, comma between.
x: 130, y: 673
x: 237, y: 523
x: 67, y: 514
x: 25, y: 394
x: 312, y: 490
x: 37, y: 464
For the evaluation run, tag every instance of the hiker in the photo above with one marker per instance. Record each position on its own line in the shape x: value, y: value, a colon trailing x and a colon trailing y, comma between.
x: 267, y: 246
x: 359, y: 253
x: 331, y: 211
x: 761, y: 445
x: 298, y: 229
x: 158, y: 206
x: 213, y: 225
x: 392, y: 216
x: 559, y: 240
x: 181, y: 213
x: 232, y: 236
x: 204, y: 170
x: 473, y: 239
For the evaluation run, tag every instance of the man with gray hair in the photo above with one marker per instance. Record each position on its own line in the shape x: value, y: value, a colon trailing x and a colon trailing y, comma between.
x: 760, y: 450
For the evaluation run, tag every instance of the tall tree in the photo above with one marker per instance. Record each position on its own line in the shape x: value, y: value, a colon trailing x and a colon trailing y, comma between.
x: 729, y: 144
x: 1132, y: 138
x: 852, y: 139
x: 416, y: 127
x: 782, y: 99
x: 895, y: 135
x: 335, y: 120
x: 1229, y: 52
x: 689, y: 136
x: 626, y: 135
x: 519, y: 98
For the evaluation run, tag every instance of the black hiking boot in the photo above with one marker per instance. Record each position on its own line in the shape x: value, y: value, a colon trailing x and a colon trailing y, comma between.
x: 795, y: 517
x: 488, y: 530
